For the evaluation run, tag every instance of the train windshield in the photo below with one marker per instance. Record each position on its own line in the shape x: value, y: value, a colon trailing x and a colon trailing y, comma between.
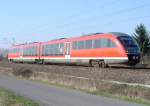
x: 129, y: 43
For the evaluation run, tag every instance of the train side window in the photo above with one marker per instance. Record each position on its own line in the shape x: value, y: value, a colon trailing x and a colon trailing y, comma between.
x: 53, y: 50
x: 75, y: 45
x: 27, y: 51
x: 88, y: 44
x: 81, y: 45
x: 43, y: 50
x: 24, y: 51
x: 34, y: 51
x: 31, y: 51
x: 104, y: 42
x: 97, y: 43
x: 47, y: 50
x: 111, y: 44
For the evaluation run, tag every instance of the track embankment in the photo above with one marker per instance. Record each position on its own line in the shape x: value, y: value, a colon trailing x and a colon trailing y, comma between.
x: 123, y: 74
x: 123, y: 81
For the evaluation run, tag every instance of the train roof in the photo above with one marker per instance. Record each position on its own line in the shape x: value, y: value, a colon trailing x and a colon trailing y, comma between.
x: 119, y: 34
x: 58, y: 39
x: 90, y: 34
x: 26, y: 43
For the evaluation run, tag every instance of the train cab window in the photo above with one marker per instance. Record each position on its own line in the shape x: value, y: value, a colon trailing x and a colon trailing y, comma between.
x: 88, y: 44
x: 127, y: 41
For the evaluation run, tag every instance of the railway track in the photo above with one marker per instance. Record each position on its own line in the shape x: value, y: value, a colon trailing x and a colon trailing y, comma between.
x: 125, y: 74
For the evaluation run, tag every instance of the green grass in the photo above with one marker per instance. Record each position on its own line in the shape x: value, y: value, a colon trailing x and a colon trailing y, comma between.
x: 8, y: 98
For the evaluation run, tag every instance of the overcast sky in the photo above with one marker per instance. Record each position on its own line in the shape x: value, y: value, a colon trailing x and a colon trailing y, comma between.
x: 42, y: 20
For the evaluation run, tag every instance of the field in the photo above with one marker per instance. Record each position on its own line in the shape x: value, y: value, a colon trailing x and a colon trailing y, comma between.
x: 93, y: 80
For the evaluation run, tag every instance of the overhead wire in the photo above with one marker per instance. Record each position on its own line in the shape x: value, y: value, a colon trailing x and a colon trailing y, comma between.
x: 122, y: 11
x: 73, y: 18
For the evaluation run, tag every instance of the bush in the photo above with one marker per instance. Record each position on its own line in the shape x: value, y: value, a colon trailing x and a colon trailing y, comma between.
x: 22, y: 71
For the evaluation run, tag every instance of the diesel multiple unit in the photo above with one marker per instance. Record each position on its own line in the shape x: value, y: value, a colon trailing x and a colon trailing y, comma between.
x: 95, y: 49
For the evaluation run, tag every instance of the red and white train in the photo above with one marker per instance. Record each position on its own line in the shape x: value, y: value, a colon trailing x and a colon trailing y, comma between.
x: 95, y: 49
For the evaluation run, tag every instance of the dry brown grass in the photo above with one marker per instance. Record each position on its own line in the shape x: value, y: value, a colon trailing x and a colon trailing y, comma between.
x: 59, y: 74
x: 22, y: 71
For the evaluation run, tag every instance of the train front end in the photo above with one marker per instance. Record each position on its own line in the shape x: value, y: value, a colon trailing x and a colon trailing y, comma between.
x: 131, y: 48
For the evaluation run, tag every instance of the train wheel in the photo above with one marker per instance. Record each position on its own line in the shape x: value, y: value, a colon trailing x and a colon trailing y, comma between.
x: 94, y: 63
x: 102, y: 64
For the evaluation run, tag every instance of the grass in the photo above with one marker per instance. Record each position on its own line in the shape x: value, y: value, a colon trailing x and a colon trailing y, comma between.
x: 120, y: 92
x: 121, y: 97
x: 125, y: 92
x: 135, y: 94
x: 8, y: 98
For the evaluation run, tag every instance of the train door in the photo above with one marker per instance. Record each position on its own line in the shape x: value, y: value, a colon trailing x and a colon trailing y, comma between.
x: 67, y: 50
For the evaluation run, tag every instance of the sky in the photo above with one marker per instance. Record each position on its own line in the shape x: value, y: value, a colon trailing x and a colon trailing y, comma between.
x: 24, y: 21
